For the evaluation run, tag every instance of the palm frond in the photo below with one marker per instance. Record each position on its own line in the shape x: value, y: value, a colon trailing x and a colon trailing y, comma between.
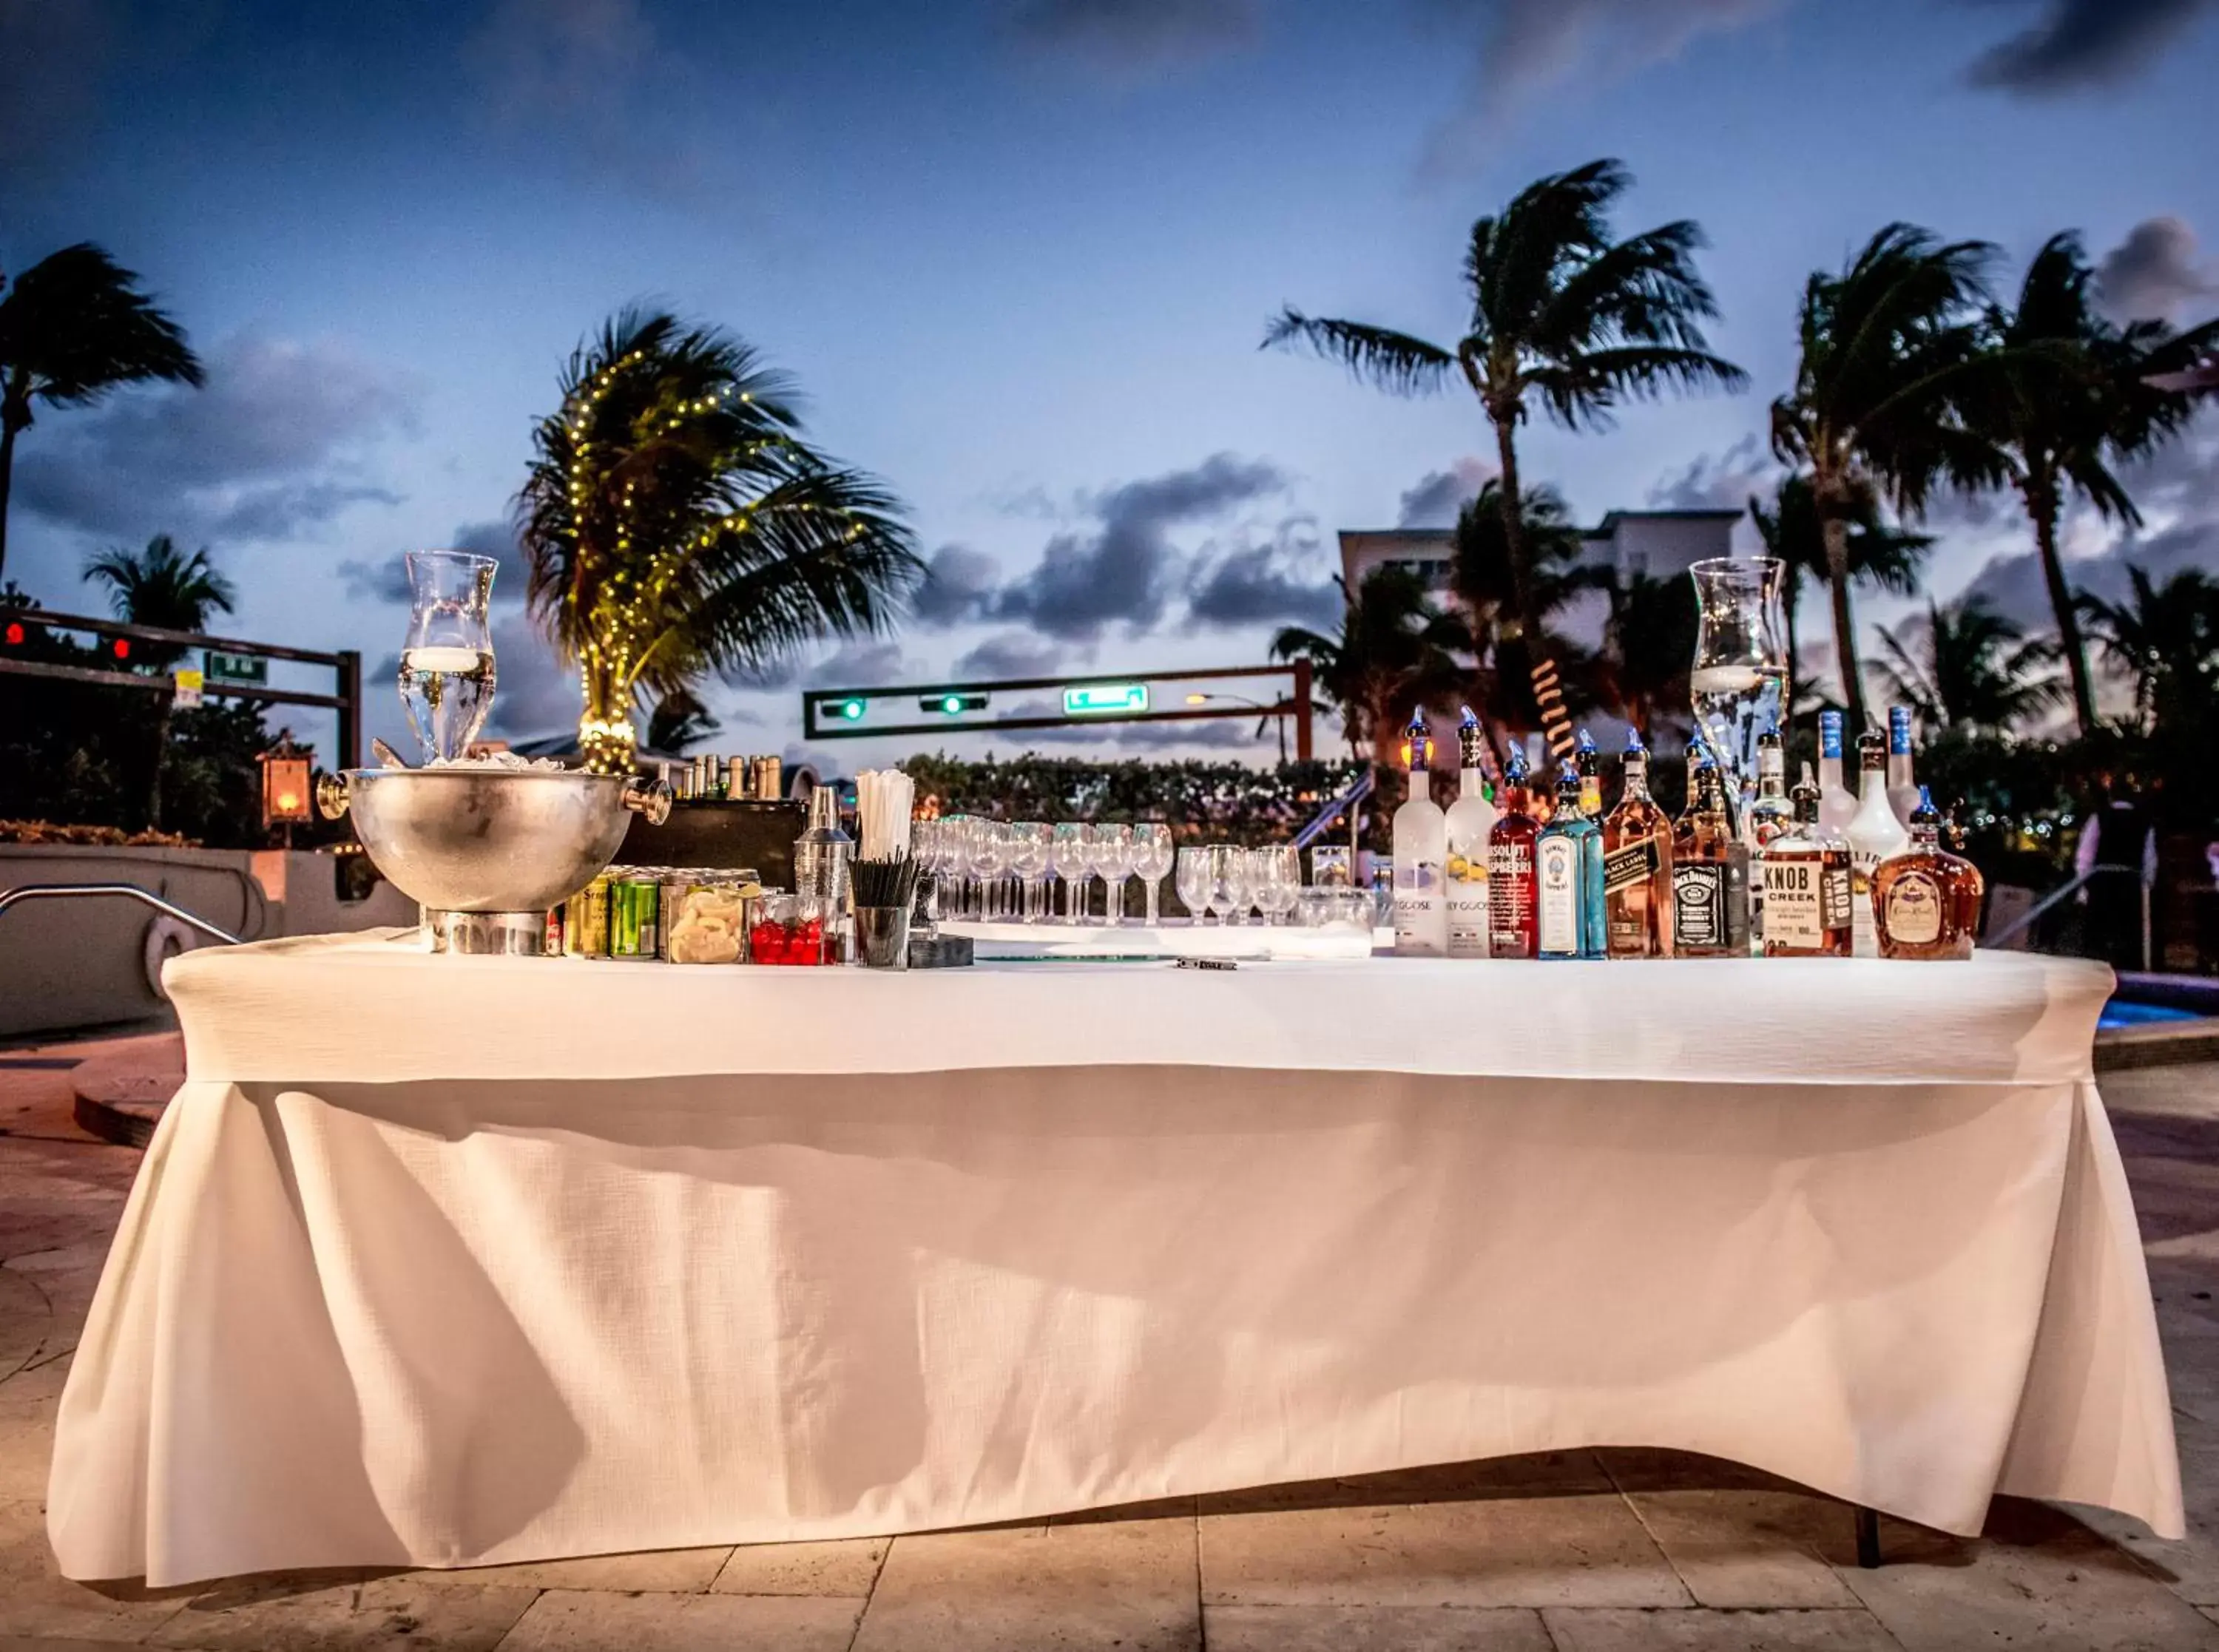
x: 1380, y: 357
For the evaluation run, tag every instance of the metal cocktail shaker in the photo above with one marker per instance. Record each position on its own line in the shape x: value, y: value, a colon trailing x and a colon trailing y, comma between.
x: 822, y: 856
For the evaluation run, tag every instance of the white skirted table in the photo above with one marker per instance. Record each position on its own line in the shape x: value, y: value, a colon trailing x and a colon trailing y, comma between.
x: 443, y: 1261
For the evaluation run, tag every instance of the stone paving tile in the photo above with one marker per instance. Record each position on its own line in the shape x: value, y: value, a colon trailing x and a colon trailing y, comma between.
x: 2040, y: 1581
x: 27, y: 1643
x: 1752, y: 1549
x: 1853, y: 1630
x: 1585, y: 1550
x: 1540, y: 1474
x: 564, y: 1621
x: 36, y: 1599
x: 845, y: 1567
x: 655, y: 1571
x: 2190, y: 1565
x: 1374, y: 1629
x: 1125, y: 1585
x: 329, y: 1612
x: 28, y: 1403
x: 26, y: 1319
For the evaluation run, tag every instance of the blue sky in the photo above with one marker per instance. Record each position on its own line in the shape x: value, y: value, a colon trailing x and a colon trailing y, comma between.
x: 1018, y: 253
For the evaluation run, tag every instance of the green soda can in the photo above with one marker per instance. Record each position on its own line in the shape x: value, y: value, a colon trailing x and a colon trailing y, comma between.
x: 635, y: 913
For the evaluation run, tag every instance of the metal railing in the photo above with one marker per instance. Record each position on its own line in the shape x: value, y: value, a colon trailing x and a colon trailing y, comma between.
x: 2056, y: 898
x: 35, y: 891
x: 1345, y: 803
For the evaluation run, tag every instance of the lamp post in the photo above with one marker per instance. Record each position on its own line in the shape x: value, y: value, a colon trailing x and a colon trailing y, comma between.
x: 1277, y: 709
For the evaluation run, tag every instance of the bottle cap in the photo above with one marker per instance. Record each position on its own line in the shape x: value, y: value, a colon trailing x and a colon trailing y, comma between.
x: 1586, y: 746
x: 1471, y: 740
x: 1898, y: 730
x: 1419, y: 740
x: 1829, y: 734
x: 1568, y: 778
x: 1513, y: 771
x: 1633, y: 743
x: 1871, y: 749
x: 1926, y: 814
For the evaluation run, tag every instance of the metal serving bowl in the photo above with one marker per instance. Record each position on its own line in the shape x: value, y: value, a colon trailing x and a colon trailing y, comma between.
x: 490, y: 851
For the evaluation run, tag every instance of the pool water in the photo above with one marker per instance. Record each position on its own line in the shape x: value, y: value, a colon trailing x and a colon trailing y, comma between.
x: 2125, y: 1012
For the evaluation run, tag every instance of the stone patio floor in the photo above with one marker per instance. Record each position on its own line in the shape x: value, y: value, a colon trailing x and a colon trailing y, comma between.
x: 1581, y: 1551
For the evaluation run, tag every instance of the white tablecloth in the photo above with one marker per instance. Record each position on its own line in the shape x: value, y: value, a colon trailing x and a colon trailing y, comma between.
x: 443, y: 1261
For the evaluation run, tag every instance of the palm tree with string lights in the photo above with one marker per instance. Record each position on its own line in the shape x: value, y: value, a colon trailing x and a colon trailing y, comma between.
x: 2075, y: 399
x: 1878, y: 554
x: 676, y: 524
x: 1563, y: 320
x: 161, y: 586
x: 1970, y: 669
x: 73, y: 328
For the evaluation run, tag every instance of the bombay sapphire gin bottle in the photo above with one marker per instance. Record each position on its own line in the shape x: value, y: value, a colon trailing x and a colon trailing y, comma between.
x: 1567, y: 871
x: 1421, y: 853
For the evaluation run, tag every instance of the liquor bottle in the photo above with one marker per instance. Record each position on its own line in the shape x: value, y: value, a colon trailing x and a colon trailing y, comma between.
x: 1510, y: 891
x: 1590, y: 766
x: 1421, y: 853
x: 1926, y: 902
x: 1470, y: 818
x: 1874, y: 834
x: 1805, y: 873
x: 1637, y: 866
x: 1837, y: 803
x: 1710, y: 873
x: 1568, y: 876
x: 1769, y: 814
x: 1902, y: 794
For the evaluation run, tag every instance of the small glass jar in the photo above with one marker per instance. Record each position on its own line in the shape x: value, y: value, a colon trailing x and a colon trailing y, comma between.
x: 791, y: 929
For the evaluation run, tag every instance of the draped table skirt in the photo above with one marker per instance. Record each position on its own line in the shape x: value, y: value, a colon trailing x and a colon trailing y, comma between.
x: 442, y: 1262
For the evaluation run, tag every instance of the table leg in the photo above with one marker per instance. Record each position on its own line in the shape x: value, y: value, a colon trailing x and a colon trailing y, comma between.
x: 1868, y: 1538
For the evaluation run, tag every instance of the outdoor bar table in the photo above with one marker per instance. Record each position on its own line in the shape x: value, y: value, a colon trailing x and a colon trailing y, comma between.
x: 440, y: 1261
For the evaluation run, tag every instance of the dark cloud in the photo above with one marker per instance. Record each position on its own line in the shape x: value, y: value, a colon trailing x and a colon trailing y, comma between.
x: 1226, y: 733
x: 957, y: 584
x: 1013, y: 654
x: 2153, y: 273
x: 2076, y: 43
x: 1284, y: 582
x: 866, y: 663
x: 536, y: 694
x: 1122, y: 570
x: 1436, y: 496
x: 1724, y: 481
x: 271, y: 448
x: 387, y: 580
x: 1123, y: 36
x: 1528, y: 48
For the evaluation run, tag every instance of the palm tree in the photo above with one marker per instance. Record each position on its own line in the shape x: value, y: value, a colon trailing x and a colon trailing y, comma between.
x: 1650, y: 646
x: 75, y: 328
x: 2166, y: 638
x: 1480, y: 579
x: 161, y: 588
x: 2075, y: 399
x: 1973, y: 668
x: 676, y: 524
x: 1893, y: 350
x: 1878, y: 554
x: 1395, y: 652
x: 680, y: 718
x: 1561, y: 315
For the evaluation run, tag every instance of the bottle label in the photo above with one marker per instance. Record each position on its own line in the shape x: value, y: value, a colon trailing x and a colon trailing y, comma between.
x: 1835, y: 896
x: 1912, y: 916
x: 1865, y: 942
x: 1699, y: 904
x: 1634, y: 863
x: 1419, y: 914
x: 1794, y: 905
x: 1467, y: 904
x: 1509, y: 898
x: 1558, y: 876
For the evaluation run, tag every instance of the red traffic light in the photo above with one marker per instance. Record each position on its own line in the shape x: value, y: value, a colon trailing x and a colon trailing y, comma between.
x: 121, y: 646
x: 15, y: 633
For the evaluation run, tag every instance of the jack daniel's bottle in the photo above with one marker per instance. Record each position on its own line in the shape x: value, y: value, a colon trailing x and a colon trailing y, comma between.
x: 1710, y: 873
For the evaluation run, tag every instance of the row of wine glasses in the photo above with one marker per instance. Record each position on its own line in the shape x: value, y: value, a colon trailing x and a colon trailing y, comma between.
x: 997, y: 869
x: 1226, y: 882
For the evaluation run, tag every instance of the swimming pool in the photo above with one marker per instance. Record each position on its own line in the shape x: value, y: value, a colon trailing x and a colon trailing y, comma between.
x: 2126, y: 1012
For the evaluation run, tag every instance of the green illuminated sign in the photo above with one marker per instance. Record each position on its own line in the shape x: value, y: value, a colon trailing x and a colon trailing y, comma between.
x: 234, y: 668
x: 850, y: 710
x: 1095, y: 698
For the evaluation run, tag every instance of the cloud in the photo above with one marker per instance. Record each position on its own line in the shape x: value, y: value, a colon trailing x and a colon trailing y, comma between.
x: 273, y: 448
x: 387, y: 580
x: 1265, y: 584
x: 2078, y: 44
x: 2152, y: 274
x: 1123, y: 37
x: 865, y: 663
x: 1529, y: 48
x: 1214, y: 734
x: 1436, y: 496
x: 1723, y: 481
x: 1012, y: 653
x: 537, y: 694
x: 957, y: 584
x: 1122, y: 570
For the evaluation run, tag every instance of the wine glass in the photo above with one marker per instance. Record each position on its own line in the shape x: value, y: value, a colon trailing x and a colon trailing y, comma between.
x: 1228, y: 881
x: 1274, y: 875
x: 446, y: 657
x: 1067, y: 859
x: 1152, y: 858
x: 1029, y: 850
x: 1113, y: 858
x: 990, y: 859
x: 1191, y: 878
x: 955, y: 862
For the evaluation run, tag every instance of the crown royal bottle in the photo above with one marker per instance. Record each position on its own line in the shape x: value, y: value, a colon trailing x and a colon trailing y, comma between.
x: 1926, y: 902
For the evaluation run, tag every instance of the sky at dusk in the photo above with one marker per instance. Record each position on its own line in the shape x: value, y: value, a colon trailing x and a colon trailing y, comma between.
x: 1019, y: 255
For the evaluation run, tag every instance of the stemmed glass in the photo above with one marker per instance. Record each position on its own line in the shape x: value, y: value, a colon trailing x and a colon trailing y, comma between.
x: 955, y: 863
x: 446, y: 657
x: 1067, y: 859
x: 1228, y: 878
x: 1152, y: 858
x: 1113, y: 858
x: 1191, y: 878
x: 1274, y: 877
x: 1028, y: 848
x: 990, y: 859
